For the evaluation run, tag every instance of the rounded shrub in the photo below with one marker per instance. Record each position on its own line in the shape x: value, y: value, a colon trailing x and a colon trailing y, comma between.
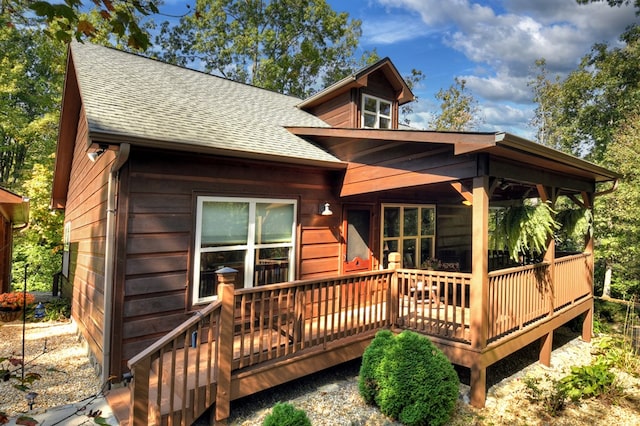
x: 409, y: 378
x: 285, y: 414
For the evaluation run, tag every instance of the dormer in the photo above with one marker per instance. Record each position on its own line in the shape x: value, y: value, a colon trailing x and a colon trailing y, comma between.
x: 369, y: 98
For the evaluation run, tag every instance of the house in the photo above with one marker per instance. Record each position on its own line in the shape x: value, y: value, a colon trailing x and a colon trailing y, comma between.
x: 14, y: 214
x: 168, y: 176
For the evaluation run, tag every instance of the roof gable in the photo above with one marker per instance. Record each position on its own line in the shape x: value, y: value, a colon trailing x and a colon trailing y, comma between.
x: 403, y: 93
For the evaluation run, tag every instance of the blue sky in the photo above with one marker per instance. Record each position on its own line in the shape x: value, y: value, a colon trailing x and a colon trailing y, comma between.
x: 491, y: 44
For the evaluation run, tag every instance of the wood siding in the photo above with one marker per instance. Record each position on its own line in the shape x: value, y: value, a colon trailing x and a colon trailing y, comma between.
x: 338, y: 112
x: 86, y: 210
x: 161, y: 190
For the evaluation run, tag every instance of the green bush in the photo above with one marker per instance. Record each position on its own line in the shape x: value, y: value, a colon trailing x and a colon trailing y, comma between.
x: 285, y: 414
x: 409, y: 378
x: 588, y: 381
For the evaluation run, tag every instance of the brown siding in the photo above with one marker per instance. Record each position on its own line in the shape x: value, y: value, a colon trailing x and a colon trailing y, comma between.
x: 161, y: 191
x: 338, y: 111
x: 85, y: 209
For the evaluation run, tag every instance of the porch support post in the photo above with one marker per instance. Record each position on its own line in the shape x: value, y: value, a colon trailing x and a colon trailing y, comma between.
x: 479, y: 293
x: 587, y: 325
x: 548, y: 195
x: 226, y: 278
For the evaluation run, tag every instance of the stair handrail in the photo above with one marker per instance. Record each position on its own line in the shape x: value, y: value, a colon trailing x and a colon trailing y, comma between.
x: 169, y: 337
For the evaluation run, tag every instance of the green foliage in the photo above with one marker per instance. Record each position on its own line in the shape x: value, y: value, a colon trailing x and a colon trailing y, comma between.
x: 409, y: 379
x: 458, y: 109
x: 574, y: 225
x: 616, y: 219
x: 588, y: 381
x: 525, y: 229
x: 280, y: 45
x: 285, y: 414
x: 65, y: 23
x: 57, y: 310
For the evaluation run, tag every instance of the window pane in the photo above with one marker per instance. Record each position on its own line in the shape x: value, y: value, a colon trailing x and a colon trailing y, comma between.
x: 428, y: 221
x: 272, y: 266
x: 369, y: 120
x: 385, y: 108
x: 392, y: 222
x: 410, y: 222
x: 426, y: 249
x: 274, y: 223
x: 370, y: 104
x: 224, y: 224
x: 409, y: 253
x: 385, y: 123
x: 211, y: 262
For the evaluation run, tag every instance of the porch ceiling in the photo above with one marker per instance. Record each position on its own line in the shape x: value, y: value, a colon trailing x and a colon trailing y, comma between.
x: 396, y: 160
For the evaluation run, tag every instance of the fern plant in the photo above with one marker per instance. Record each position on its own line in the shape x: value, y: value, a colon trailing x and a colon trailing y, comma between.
x: 525, y: 228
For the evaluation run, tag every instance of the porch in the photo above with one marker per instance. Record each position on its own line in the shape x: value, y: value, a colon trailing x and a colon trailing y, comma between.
x: 253, y: 339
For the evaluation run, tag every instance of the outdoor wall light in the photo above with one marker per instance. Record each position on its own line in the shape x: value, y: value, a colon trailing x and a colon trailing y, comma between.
x: 93, y: 155
x: 325, y: 210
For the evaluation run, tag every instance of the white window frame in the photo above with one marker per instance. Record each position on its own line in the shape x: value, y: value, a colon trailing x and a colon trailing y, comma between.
x: 402, y: 237
x: 250, y: 247
x: 377, y: 112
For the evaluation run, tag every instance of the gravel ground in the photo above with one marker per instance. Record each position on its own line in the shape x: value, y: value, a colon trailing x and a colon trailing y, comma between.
x: 52, y: 350
x: 330, y: 398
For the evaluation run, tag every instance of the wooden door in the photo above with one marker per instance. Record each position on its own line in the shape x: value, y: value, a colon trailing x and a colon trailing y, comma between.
x: 357, y: 239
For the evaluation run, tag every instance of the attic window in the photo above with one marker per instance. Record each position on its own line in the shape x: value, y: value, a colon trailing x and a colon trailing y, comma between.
x: 376, y: 113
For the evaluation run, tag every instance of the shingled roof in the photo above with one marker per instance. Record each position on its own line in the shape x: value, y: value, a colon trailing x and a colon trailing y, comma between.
x: 148, y: 102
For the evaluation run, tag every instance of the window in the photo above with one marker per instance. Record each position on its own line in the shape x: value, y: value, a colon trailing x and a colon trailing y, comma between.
x: 376, y: 113
x: 254, y: 236
x: 409, y: 230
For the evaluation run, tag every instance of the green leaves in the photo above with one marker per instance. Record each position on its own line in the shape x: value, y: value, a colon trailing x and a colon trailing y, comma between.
x: 525, y: 229
x: 65, y: 21
x: 280, y: 45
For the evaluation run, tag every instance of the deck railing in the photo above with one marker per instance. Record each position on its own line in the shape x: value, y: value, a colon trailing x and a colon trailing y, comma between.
x: 573, y: 279
x: 250, y: 326
x: 434, y: 302
x: 281, y: 319
x: 517, y: 297
x: 186, y: 352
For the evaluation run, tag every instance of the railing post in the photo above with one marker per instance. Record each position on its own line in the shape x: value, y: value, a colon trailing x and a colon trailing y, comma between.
x: 226, y: 278
x: 546, y: 341
x: 395, y: 262
x: 140, y: 393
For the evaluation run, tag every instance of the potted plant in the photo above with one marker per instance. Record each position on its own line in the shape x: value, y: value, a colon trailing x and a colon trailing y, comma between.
x: 11, y: 304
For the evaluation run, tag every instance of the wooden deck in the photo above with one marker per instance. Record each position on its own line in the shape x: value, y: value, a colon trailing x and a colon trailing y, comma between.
x: 284, y: 331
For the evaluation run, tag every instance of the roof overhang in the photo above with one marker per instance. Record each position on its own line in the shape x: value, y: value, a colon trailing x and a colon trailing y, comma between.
x: 14, y: 208
x: 356, y: 145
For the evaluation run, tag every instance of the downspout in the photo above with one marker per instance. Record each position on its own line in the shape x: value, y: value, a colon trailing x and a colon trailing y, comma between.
x: 109, y: 257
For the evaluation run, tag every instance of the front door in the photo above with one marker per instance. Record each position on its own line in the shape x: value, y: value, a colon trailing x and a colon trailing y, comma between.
x: 357, y: 239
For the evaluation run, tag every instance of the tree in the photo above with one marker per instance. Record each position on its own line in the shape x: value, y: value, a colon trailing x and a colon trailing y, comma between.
x: 66, y: 22
x: 31, y: 76
x: 616, y: 220
x: 412, y: 80
x: 280, y: 45
x: 458, y: 109
x: 595, y: 99
x: 545, y: 93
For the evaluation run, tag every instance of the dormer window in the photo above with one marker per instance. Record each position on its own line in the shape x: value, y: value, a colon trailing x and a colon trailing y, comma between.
x: 376, y: 113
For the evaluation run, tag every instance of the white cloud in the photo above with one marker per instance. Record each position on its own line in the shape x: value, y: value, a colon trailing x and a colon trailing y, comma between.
x: 505, y: 38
